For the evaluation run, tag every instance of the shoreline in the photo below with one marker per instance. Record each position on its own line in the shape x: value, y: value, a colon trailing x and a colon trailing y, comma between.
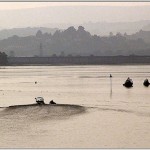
x: 123, y: 64
x: 80, y: 60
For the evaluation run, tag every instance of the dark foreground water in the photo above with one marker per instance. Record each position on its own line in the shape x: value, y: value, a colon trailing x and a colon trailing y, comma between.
x: 111, y: 115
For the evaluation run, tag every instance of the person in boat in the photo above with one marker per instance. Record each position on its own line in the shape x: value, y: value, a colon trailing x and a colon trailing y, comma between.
x: 146, y: 82
x: 128, y: 83
x: 110, y: 76
x: 128, y: 78
x: 52, y: 102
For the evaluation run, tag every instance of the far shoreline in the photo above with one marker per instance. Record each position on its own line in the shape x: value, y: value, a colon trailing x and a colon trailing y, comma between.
x: 125, y: 64
x: 79, y: 60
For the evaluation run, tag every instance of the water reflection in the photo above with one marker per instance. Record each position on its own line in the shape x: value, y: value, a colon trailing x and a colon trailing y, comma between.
x: 110, y: 86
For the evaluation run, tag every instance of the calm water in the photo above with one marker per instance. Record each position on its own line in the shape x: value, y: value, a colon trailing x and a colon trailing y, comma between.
x: 115, y: 117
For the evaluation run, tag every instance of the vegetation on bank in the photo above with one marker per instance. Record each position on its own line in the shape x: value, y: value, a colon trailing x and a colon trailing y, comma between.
x: 3, y: 58
x: 74, y: 42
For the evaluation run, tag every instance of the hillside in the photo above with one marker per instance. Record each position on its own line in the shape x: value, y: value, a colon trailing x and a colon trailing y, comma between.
x: 144, y: 35
x: 73, y: 42
x: 104, y: 28
x: 22, y: 32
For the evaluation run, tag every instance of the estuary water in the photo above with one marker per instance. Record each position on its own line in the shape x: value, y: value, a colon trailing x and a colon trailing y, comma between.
x: 111, y: 115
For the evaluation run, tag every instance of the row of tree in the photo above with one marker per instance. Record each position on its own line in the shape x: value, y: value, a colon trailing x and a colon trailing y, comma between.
x: 74, y: 42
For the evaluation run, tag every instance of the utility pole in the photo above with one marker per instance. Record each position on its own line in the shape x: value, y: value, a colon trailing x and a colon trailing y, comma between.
x: 41, y: 50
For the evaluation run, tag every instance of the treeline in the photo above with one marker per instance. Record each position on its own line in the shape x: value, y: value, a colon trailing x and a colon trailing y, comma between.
x: 22, y: 32
x: 144, y: 35
x: 74, y: 42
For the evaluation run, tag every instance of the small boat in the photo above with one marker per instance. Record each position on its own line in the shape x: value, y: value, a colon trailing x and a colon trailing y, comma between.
x: 128, y: 83
x: 40, y: 100
x: 52, y: 102
x: 146, y: 83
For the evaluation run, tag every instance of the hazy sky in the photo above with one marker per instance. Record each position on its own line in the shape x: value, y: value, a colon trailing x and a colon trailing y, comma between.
x: 24, y: 5
x: 22, y: 14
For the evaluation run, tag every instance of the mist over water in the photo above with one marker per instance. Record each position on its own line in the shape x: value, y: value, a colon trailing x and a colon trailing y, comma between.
x: 111, y: 115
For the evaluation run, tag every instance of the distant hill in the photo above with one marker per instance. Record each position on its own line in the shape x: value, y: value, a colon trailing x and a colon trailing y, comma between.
x: 22, y: 32
x: 98, y: 28
x: 146, y: 27
x: 144, y: 35
x: 104, y: 28
x: 74, y: 42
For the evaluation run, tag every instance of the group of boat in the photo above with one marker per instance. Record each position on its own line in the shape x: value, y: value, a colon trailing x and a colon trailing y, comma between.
x: 40, y: 101
x: 129, y: 83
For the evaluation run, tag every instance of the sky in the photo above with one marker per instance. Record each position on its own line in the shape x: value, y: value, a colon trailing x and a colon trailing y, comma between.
x: 25, y: 14
x: 24, y: 5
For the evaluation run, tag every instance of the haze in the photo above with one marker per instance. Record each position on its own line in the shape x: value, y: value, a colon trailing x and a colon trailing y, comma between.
x: 50, y: 14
